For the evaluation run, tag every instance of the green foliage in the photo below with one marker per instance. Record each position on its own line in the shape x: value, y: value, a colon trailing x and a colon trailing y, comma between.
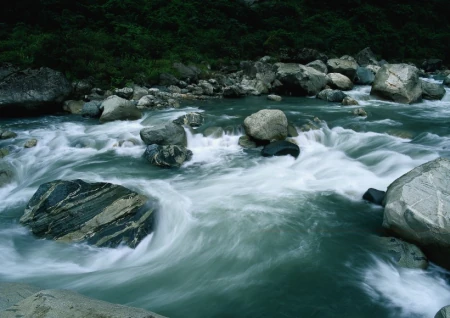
x: 115, y: 41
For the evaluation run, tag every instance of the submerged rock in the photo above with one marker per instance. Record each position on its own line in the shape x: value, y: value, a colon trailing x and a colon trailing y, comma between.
x: 65, y: 303
x: 359, y: 112
x: 348, y: 101
x: 404, y: 254
x: 168, y: 134
x: 31, y: 143
x: 397, y: 82
x: 215, y: 132
x: 190, y: 119
x: 102, y: 214
x: 168, y: 156
x: 6, y: 134
x: 267, y: 125
x: 6, y: 176
x: 375, y: 196
x: 246, y: 142
x: 275, y: 98
x: 280, y: 148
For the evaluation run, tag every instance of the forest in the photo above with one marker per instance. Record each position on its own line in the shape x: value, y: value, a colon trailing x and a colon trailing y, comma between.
x: 115, y: 41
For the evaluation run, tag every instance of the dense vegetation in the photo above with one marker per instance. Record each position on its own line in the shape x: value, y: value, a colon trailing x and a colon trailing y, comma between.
x: 114, y: 40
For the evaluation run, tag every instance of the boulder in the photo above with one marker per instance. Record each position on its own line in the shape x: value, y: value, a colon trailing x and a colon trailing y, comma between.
x: 359, y: 112
x: 432, y: 91
x: 147, y: 101
x: 366, y: 57
x: 126, y: 92
x: 81, y: 88
x: 190, y: 119
x: 446, y: 81
x: 12, y: 293
x: 254, y: 87
x: 397, y: 82
x: 31, y: 143
x: 443, y: 313
x: 302, y: 56
x: 432, y: 65
x: 318, y: 65
x: 275, y: 98
x: 189, y: 73
x: 233, y: 91
x: 339, y: 81
x: 267, y: 125
x: 166, y: 79
x: 364, y: 76
x: 246, y: 142
x: 92, y: 109
x: 374, y: 196
x: 64, y: 303
x: 344, y: 67
x: 139, y: 92
x: 207, y: 87
x: 373, y: 68
x: 167, y: 156
x: 102, y: 214
x: 116, y: 108
x: 7, y: 134
x: 403, y: 254
x: 280, y: 148
x: 347, y: 58
x: 73, y: 106
x: 331, y: 95
x: 300, y: 80
x: 168, y: 134
x: 417, y: 205
x: 348, y: 101
x: 32, y: 92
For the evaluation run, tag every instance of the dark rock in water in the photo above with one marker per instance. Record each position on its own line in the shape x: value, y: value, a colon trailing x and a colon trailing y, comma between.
x: 432, y: 65
x: 443, y: 313
x: 190, y: 119
x: 168, y: 134
x: 432, y: 91
x: 348, y: 101
x: 65, y: 303
x: 167, y: 156
x: 281, y: 148
x: 374, y: 196
x: 332, y: 95
x: 33, y: 92
x: 246, y: 142
x: 366, y: 57
x: 92, y: 109
x: 404, y: 254
x: 6, y: 134
x: 12, y: 293
x: 3, y: 152
x: 292, y: 131
x: 101, y: 214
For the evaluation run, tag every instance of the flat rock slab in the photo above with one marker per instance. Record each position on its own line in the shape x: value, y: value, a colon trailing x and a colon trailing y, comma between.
x: 69, y: 304
x: 101, y: 214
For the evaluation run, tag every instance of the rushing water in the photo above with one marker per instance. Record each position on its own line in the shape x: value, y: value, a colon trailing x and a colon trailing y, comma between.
x: 238, y: 235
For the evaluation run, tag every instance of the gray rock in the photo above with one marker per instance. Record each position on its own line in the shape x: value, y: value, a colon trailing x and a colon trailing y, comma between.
x: 139, y: 92
x: 175, y: 89
x: 92, y: 109
x: 31, y: 143
x: 64, y: 303
x: 190, y: 119
x: 166, y: 79
x: 12, y: 293
x: 126, y: 92
x: 116, y: 108
x: 267, y: 124
x: 432, y: 91
x: 397, y: 82
x: 443, y: 313
x: 366, y: 57
x: 168, y: 156
x: 348, y: 101
x: 168, y: 134
x: 344, y: 67
x: 6, y: 134
x: 215, y: 132
x: 417, y: 205
x: 359, y: 112
x: 73, y: 106
x: 447, y: 81
x: 234, y: 91
x: 102, y: 214
x: 331, y: 95
x: 254, y: 87
x: 300, y: 80
x: 404, y: 254
x: 373, y: 68
x: 32, y: 92
x: 319, y: 66
x: 147, y: 101
x: 81, y: 88
x: 374, y: 196
x: 348, y: 58
x: 364, y: 76
x: 275, y: 98
x: 246, y: 142
x: 280, y: 148
x: 207, y: 88
x: 339, y: 81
